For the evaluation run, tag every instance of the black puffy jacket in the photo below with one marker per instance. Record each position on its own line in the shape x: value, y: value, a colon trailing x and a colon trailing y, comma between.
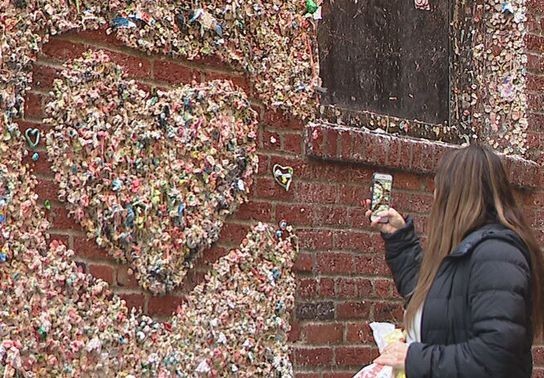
x: 476, y: 317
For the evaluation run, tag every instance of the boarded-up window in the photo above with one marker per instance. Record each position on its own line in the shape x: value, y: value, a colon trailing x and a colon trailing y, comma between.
x: 386, y: 57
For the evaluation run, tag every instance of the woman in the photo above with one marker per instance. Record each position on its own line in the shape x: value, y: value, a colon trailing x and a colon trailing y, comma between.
x: 475, y: 296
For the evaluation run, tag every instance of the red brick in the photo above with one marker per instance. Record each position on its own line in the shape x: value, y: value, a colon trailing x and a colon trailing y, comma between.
x: 264, y: 165
x: 295, y: 124
x: 409, y: 181
x: 63, y: 50
x: 351, y: 195
x: 135, y: 67
x: 292, y: 143
x: 357, y: 174
x: 173, y: 73
x: 424, y: 157
x: 535, y: 102
x: 315, y: 239
x: 43, y: 76
x: 88, y: 249
x: 294, y: 334
x: 388, y: 312
x: 536, y: 122
x: 215, y: 62
x: 240, y: 82
x: 133, y: 300
x: 535, y: 63
x: 46, y: 189
x: 538, y: 355
x: 345, y: 151
x: 534, y: 43
x: 164, y: 305
x: 212, y: 255
x: 357, y: 218
x: 370, y: 266
x: 338, y: 374
x: 353, y: 310
x: 269, y: 140
x: 377, y: 149
x: 359, y: 332
x: 332, y: 262
x: 307, y: 288
x: 313, y: 356
x: 326, y: 287
x: 64, y: 239
x: 319, y: 334
x: 400, y: 155
x: 412, y: 202
x: 60, y: 219
x: 304, y: 263
x: 255, y: 211
x: 104, y: 272
x: 33, y: 105
x: 346, y: 288
x: 362, y: 149
x: 267, y: 188
x: 361, y: 242
x: 307, y: 375
x: 321, y: 193
x: 383, y: 288
x: 314, y: 139
x: 233, y: 233
x: 535, y: 6
x: 275, y: 119
x: 534, y: 25
x: 353, y: 287
x: 297, y: 215
x: 192, y: 279
x: 331, y: 216
x: 125, y: 278
x: 41, y: 166
x: 354, y: 356
x: 535, y: 82
x: 331, y: 142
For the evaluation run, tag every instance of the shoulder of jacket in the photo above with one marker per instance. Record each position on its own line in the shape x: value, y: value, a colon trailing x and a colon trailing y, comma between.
x: 498, y: 249
x: 491, y: 239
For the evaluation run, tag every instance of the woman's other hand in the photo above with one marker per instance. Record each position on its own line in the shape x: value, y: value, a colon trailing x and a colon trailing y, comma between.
x: 395, y: 220
x: 393, y: 355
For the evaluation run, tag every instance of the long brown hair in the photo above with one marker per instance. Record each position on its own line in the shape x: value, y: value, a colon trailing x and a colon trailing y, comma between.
x: 472, y: 189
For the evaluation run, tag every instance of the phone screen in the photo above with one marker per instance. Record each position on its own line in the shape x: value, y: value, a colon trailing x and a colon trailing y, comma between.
x: 381, y: 194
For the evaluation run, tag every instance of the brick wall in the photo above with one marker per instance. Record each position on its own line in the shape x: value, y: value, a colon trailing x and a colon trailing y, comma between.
x: 343, y: 282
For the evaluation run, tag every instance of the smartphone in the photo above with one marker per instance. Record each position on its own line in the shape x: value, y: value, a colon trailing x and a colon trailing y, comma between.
x: 381, y: 196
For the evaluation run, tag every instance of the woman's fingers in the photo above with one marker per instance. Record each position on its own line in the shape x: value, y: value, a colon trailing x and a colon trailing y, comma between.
x: 393, y: 355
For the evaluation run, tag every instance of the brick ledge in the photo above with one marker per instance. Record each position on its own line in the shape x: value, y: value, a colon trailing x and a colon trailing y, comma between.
x: 347, y: 144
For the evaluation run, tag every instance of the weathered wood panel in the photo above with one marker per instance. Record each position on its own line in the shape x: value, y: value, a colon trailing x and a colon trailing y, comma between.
x: 386, y: 57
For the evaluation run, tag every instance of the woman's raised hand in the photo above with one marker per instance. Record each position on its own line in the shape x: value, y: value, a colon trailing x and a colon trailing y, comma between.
x: 395, y: 221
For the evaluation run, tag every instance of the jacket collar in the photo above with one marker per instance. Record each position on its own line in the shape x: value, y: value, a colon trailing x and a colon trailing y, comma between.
x: 489, y: 231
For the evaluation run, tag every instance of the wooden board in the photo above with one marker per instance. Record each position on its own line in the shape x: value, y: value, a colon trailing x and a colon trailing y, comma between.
x: 386, y: 57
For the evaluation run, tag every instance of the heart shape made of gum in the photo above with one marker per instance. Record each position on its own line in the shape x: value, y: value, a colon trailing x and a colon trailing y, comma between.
x: 58, y: 321
x: 150, y: 176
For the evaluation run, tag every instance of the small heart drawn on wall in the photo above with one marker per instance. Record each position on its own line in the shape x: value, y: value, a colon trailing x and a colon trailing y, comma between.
x: 283, y: 176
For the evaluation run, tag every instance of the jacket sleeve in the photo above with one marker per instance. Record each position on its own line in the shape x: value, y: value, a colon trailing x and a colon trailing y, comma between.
x: 498, y: 297
x: 403, y: 255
